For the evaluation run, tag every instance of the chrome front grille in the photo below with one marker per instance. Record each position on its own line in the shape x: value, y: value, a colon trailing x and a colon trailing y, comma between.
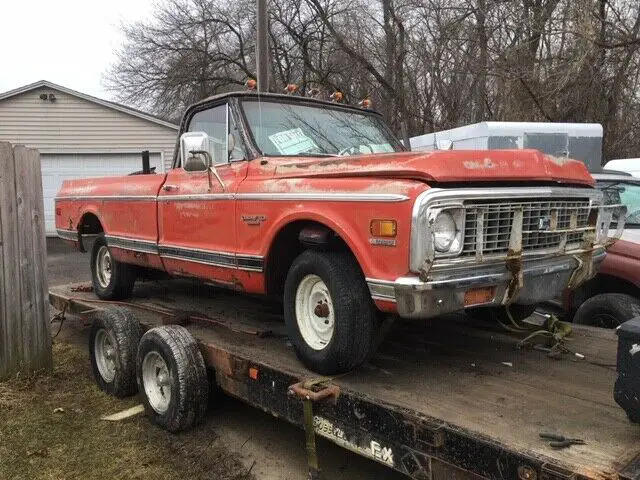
x: 544, y: 225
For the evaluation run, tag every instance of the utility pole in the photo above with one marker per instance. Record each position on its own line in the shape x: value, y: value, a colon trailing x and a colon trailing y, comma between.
x: 262, y: 46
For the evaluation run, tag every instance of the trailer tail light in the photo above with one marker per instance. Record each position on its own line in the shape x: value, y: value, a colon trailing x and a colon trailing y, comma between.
x: 253, y: 373
x: 384, y: 228
x: 478, y: 296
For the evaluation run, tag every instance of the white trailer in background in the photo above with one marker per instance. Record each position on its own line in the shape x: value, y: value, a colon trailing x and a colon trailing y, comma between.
x: 628, y: 165
x: 581, y: 141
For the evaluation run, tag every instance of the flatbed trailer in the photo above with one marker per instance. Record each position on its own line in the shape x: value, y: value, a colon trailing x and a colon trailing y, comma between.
x: 442, y: 399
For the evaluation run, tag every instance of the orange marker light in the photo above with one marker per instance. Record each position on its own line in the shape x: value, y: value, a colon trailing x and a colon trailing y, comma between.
x: 253, y: 373
x: 383, y: 228
x: 478, y: 296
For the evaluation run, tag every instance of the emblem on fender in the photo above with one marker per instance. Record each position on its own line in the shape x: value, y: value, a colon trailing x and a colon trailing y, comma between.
x: 253, y: 219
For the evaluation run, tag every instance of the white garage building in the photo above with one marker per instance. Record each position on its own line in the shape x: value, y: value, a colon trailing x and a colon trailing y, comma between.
x: 81, y: 136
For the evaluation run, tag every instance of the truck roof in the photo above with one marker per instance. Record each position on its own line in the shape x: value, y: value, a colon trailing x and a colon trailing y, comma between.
x: 252, y: 94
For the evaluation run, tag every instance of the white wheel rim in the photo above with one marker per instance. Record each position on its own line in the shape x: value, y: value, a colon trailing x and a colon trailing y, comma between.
x: 314, y: 312
x: 103, y: 266
x: 156, y: 381
x: 105, y: 353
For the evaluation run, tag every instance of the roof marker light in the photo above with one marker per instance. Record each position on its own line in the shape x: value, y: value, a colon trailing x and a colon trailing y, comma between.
x: 366, y: 103
x: 336, y: 96
x: 291, y: 88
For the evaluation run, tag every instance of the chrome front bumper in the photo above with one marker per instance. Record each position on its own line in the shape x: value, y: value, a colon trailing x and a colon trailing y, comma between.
x: 444, y: 292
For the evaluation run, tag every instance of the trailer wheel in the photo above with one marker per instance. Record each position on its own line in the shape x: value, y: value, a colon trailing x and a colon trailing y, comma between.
x: 607, y: 310
x: 330, y: 317
x: 172, y: 378
x: 112, y: 280
x: 113, y: 344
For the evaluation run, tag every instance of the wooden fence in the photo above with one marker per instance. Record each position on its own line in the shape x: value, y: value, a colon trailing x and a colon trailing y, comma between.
x: 25, y: 335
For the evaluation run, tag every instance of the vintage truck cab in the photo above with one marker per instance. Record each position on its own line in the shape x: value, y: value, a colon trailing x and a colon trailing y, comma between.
x: 319, y: 204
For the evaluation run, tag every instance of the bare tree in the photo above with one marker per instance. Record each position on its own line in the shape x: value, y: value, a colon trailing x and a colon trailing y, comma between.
x: 433, y: 64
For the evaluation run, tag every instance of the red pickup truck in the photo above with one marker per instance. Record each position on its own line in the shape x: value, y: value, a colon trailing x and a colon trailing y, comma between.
x: 319, y: 204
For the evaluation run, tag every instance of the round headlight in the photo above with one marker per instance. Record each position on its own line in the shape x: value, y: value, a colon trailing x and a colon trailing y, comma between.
x: 444, y: 232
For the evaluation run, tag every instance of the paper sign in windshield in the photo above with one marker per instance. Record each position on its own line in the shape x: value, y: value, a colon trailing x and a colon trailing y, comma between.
x: 292, y: 142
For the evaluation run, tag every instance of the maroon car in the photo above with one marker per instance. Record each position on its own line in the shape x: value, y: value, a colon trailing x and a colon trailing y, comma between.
x: 613, y: 296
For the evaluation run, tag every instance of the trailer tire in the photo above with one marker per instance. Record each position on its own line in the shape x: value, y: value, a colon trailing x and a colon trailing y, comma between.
x: 112, y: 280
x: 607, y: 310
x: 172, y: 378
x: 330, y: 316
x: 113, y: 345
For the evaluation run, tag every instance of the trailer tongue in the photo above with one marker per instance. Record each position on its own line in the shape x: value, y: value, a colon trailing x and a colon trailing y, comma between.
x: 432, y: 403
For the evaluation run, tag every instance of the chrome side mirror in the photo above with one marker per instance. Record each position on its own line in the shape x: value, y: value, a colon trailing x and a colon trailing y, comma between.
x: 195, y: 151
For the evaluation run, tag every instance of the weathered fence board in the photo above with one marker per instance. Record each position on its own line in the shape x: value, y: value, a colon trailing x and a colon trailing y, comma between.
x: 25, y: 339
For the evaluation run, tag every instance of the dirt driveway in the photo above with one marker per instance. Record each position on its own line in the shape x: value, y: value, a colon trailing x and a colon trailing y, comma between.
x: 254, y: 441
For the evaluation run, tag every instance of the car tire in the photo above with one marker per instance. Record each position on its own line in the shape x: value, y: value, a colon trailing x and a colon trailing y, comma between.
x: 607, y: 310
x: 112, y: 280
x: 113, y: 345
x: 330, y: 316
x: 172, y: 378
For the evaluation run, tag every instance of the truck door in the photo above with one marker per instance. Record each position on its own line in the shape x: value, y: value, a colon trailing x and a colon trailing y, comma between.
x: 196, y: 210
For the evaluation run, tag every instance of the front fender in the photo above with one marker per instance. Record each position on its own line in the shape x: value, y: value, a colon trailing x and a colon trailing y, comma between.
x: 350, y: 221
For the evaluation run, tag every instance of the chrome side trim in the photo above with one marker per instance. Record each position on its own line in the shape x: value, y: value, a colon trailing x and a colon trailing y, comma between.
x: 252, y: 263
x: 67, y: 234
x: 296, y: 197
x: 328, y: 196
x: 133, y: 244
x: 193, y: 197
x: 114, y: 198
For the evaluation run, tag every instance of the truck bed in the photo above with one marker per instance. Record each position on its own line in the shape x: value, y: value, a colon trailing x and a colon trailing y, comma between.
x: 444, y: 373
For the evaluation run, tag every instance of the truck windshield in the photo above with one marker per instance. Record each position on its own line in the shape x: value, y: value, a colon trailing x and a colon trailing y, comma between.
x: 628, y: 194
x: 289, y: 129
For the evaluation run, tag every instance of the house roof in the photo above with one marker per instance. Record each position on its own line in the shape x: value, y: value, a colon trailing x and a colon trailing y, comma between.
x: 105, y: 103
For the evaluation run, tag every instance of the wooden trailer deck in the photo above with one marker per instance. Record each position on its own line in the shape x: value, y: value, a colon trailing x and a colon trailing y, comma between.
x: 451, y: 389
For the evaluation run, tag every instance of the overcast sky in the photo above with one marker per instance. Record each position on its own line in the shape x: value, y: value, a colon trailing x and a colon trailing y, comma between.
x: 68, y: 42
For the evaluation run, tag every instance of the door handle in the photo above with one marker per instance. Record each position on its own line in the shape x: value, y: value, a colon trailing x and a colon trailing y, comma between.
x: 168, y: 188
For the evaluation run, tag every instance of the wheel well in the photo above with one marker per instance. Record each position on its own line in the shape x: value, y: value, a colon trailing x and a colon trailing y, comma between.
x: 291, y: 241
x: 89, y: 224
x: 602, y: 284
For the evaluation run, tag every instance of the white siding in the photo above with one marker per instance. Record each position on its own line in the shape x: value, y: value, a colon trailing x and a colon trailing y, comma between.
x: 74, y: 125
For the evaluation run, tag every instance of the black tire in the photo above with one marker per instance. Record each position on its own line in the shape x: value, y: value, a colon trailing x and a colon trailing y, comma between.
x: 607, y: 310
x: 120, y: 328
x: 123, y: 276
x: 187, y: 377
x: 519, y: 312
x: 354, y: 332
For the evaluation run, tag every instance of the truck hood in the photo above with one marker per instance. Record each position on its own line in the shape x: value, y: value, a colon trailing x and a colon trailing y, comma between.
x: 444, y: 166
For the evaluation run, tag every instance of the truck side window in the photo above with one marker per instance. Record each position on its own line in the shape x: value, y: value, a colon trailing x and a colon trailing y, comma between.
x: 214, y: 123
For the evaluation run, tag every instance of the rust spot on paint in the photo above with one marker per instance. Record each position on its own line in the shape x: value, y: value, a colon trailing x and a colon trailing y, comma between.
x: 487, y: 163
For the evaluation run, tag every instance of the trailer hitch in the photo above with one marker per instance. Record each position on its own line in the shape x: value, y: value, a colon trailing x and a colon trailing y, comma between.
x: 305, y: 391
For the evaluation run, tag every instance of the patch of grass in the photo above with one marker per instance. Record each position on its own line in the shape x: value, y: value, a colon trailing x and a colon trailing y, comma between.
x: 36, y: 443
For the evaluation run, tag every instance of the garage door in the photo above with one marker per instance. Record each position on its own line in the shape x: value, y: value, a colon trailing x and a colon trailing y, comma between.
x: 59, y: 167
